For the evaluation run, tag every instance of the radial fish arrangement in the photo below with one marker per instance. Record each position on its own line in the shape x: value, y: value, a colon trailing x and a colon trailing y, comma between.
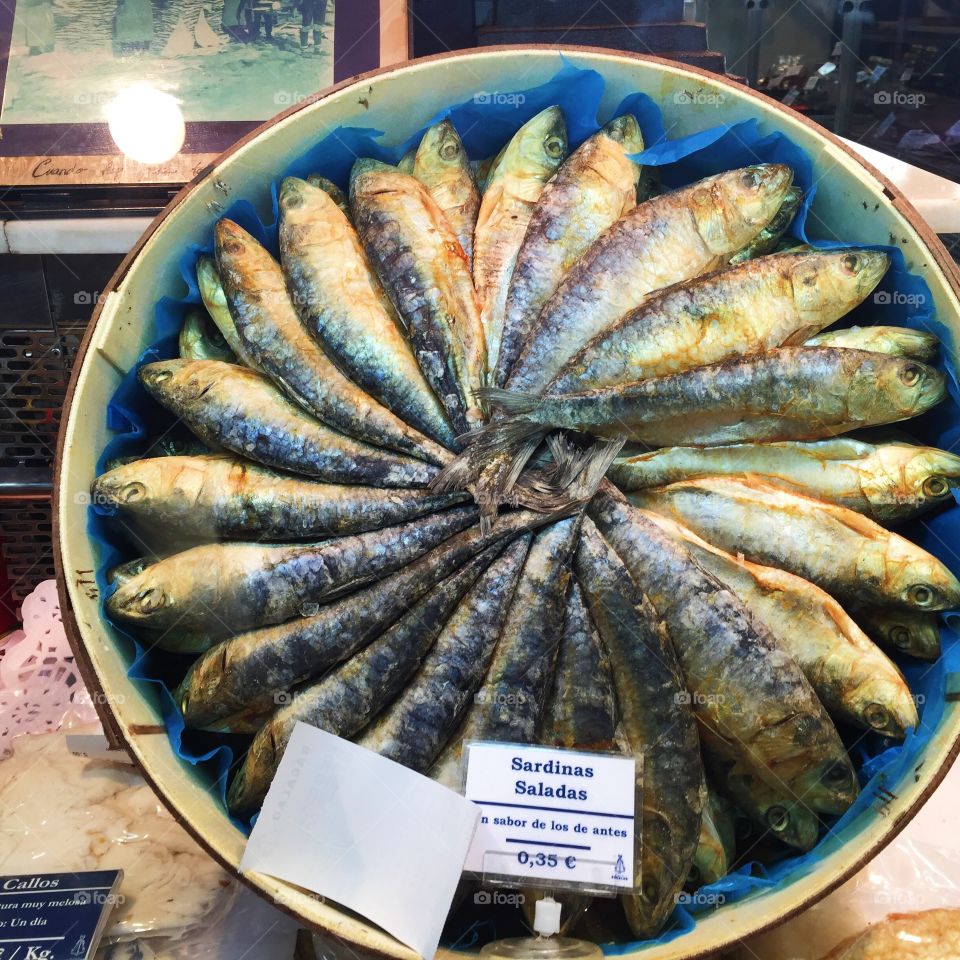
x: 511, y: 448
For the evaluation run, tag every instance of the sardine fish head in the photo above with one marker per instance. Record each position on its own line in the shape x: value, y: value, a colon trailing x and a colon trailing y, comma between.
x: 827, y: 284
x: 625, y: 130
x: 885, y: 706
x: 440, y: 147
x: 732, y: 208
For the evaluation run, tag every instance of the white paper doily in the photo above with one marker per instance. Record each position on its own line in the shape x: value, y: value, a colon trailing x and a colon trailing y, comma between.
x: 39, y: 680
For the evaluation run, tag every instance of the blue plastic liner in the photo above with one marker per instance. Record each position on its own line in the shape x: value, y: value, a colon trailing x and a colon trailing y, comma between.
x: 485, y: 123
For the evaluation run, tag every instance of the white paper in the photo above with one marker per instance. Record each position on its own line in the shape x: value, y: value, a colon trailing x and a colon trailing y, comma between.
x: 364, y: 831
x: 559, y: 815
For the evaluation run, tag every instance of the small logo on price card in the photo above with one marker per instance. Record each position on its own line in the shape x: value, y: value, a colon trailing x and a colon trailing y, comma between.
x: 560, y: 817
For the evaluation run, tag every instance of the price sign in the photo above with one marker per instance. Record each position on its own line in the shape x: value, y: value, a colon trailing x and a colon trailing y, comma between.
x: 559, y: 817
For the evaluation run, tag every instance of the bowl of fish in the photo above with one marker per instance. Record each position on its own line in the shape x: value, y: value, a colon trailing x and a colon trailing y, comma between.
x: 561, y: 397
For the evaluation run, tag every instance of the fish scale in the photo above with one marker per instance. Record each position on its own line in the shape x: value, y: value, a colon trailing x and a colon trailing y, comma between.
x: 751, y: 699
x: 351, y: 695
x: 656, y: 726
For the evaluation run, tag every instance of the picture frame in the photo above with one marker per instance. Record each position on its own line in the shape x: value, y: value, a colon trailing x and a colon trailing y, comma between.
x: 110, y: 92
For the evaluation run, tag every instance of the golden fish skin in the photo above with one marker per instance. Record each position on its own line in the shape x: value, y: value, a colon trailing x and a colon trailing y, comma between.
x: 657, y: 726
x: 205, y: 498
x: 274, y: 335
x: 893, y: 341
x: 853, y: 678
x: 510, y: 196
x: 441, y: 165
x: 673, y: 237
x: 787, y: 393
x: 343, y: 305
x: 848, y: 555
x: 901, y: 631
x: 593, y: 188
x: 333, y: 191
x: 743, y: 310
x: 750, y: 697
x: 200, y: 339
x: 886, y: 482
x: 233, y: 408
x: 715, y: 851
x: 423, y: 269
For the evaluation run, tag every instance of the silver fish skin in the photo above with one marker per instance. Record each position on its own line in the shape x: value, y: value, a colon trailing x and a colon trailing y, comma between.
x: 423, y: 269
x: 227, y: 587
x: 751, y: 699
x: 593, y: 188
x: 347, y: 698
x: 511, y: 194
x: 893, y: 341
x: 235, y: 409
x: 201, y: 340
x: 885, y: 481
x: 205, y: 498
x: 248, y: 670
x: 765, y: 303
x: 415, y: 728
x: 342, y: 303
x: 511, y: 702
x: 673, y: 237
x: 788, y: 393
x: 274, y: 335
x: 657, y: 727
x: 442, y: 166
x: 850, y: 556
x: 581, y: 713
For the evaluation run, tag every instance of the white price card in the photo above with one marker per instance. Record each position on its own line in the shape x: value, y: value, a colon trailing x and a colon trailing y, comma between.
x: 364, y: 831
x: 560, y: 816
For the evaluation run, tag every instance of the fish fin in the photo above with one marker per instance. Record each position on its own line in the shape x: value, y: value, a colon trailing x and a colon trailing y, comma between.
x: 512, y: 402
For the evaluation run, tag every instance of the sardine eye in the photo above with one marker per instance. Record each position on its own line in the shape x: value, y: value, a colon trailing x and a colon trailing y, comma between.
x: 936, y: 487
x: 133, y: 492
x: 161, y: 375
x: 751, y: 179
x: 449, y: 150
x: 921, y: 595
x: 650, y: 891
x: 777, y: 819
x: 900, y: 637
x: 553, y: 147
x: 876, y: 716
x: 851, y: 263
x: 910, y: 374
x: 837, y: 774
x: 290, y: 201
x: 233, y: 246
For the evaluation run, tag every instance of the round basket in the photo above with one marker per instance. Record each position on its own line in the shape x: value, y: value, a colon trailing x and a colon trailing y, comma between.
x: 852, y: 197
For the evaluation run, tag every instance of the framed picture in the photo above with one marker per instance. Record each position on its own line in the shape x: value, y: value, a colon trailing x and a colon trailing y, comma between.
x: 150, y: 91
